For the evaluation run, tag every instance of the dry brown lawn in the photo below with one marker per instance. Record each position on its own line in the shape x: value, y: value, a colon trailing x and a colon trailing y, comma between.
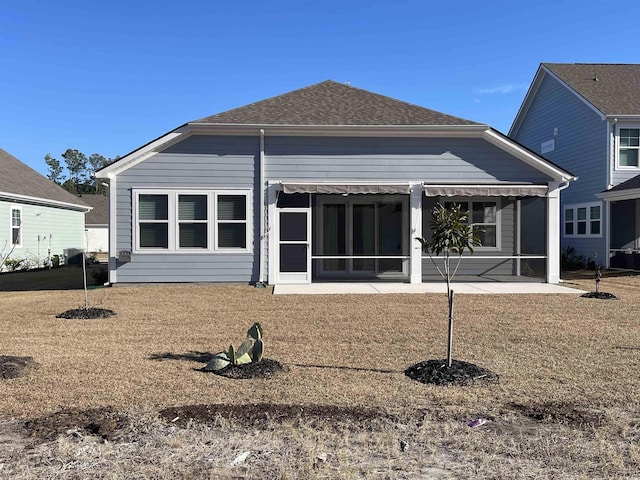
x: 567, y: 404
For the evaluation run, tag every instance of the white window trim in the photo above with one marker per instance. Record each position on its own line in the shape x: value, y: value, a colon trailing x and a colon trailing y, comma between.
x: 469, y: 201
x: 11, y: 227
x: 588, y: 219
x: 617, y: 147
x: 212, y: 221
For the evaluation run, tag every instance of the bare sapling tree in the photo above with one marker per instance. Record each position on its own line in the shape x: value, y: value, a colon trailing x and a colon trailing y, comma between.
x: 5, y: 253
x: 451, y: 235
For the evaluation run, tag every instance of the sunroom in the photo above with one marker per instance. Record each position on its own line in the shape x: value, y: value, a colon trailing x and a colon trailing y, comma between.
x: 367, y: 232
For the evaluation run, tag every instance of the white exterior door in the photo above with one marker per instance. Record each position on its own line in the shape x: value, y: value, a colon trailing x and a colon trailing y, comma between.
x: 294, y: 245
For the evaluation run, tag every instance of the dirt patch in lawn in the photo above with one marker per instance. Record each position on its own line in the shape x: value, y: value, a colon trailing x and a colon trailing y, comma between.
x: 14, y: 367
x: 102, y: 422
x: 562, y: 413
x: 436, y: 372
x: 264, y: 415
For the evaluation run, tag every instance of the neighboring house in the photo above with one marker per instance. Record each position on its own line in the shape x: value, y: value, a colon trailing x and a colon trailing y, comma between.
x: 323, y: 183
x: 586, y: 118
x: 38, y: 219
x: 96, y: 223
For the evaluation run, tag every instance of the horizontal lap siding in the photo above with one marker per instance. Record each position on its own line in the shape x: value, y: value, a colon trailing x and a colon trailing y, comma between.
x: 65, y: 227
x: 379, y: 159
x: 198, y: 162
x: 580, y: 147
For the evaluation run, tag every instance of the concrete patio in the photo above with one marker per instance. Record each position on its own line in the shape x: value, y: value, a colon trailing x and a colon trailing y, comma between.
x: 478, y: 288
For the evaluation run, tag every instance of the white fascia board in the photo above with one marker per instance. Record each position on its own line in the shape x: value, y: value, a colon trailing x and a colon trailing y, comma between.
x: 623, y: 118
x: 615, y: 196
x: 143, y: 153
x: 528, y: 157
x: 44, y: 201
x: 341, y: 130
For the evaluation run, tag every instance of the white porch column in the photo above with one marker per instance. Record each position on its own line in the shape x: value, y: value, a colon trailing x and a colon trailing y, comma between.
x: 415, y: 248
x: 553, y: 233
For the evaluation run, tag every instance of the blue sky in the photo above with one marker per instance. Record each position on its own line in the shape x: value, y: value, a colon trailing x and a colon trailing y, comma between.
x: 107, y: 77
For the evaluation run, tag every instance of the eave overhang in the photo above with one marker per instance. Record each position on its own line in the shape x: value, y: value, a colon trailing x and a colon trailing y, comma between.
x: 45, y: 202
x: 618, y: 195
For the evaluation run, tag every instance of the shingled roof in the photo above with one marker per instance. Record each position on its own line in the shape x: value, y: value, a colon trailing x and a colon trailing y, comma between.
x: 333, y: 103
x: 16, y: 178
x: 100, y: 213
x: 614, y: 89
x: 631, y: 184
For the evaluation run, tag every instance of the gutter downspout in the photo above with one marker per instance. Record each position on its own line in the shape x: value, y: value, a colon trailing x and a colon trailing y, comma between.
x: 611, y: 157
x: 260, y: 283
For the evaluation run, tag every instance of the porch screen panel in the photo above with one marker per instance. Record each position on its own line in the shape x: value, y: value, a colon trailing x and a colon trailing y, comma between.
x: 364, y: 235
x: 390, y: 236
x: 484, y: 220
x: 334, y: 236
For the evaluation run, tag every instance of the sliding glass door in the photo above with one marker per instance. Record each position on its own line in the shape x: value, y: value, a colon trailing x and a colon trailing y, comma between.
x: 370, y: 227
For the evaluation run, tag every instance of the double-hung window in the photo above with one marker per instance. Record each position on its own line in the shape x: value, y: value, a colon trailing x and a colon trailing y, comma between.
x: 16, y: 227
x: 192, y: 221
x: 628, y: 147
x: 483, y: 216
x: 583, y: 220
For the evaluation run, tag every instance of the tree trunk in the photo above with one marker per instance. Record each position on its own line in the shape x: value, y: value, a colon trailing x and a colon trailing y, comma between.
x: 450, y: 343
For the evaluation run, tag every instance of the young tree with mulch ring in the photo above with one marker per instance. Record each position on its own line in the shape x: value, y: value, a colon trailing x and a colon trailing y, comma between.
x: 451, y: 235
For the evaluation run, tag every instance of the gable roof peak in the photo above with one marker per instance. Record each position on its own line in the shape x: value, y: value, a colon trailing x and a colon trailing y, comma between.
x: 332, y: 103
x: 612, y: 88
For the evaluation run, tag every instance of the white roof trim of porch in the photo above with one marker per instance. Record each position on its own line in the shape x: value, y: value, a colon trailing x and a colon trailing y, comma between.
x: 346, y: 187
x: 480, y: 190
x: 618, y: 195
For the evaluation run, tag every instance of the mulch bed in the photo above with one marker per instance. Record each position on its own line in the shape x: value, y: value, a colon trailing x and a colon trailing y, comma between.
x: 261, y: 415
x: 436, y: 372
x: 600, y: 295
x: 14, y: 367
x: 86, y: 313
x: 265, y: 368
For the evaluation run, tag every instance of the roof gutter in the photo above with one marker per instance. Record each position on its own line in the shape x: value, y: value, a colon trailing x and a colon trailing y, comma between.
x: 45, y: 201
x: 341, y: 130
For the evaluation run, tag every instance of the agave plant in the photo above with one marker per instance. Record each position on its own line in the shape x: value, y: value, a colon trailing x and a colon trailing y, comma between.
x: 251, y: 350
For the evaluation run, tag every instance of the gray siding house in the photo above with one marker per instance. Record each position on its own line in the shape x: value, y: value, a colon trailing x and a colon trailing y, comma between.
x: 328, y: 182
x: 586, y: 118
x: 38, y: 219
